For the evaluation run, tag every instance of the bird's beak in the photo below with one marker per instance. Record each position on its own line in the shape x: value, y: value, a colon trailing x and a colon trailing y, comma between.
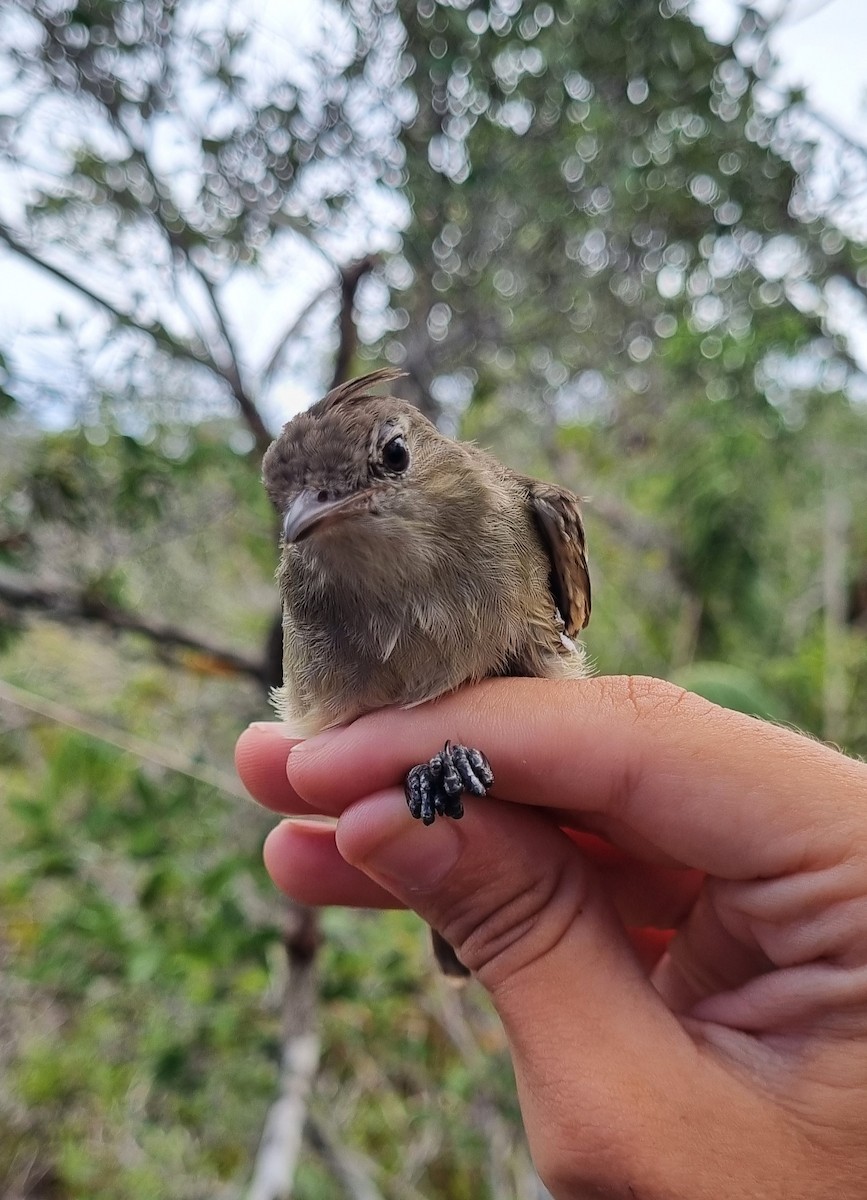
x: 308, y: 510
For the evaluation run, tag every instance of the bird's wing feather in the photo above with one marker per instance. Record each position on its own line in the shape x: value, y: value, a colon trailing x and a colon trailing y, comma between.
x: 558, y: 519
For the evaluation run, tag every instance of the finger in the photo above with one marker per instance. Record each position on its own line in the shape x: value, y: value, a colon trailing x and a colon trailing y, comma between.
x: 710, y: 788
x: 650, y: 945
x: 261, y: 753
x: 643, y: 894
x: 594, y: 1047
x: 303, y: 860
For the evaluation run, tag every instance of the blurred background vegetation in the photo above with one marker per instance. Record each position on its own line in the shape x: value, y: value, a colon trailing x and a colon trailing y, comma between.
x: 620, y: 254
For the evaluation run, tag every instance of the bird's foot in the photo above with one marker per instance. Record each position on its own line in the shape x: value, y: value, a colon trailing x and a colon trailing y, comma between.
x: 433, y: 789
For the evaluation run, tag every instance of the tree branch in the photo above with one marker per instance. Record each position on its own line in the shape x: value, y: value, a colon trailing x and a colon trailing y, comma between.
x: 282, y: 1136
x: 231, y: 372
x: 352, y: 1169
x: 160, y: 756
x: 70, y: 607
x: 350, y: 277
x: 172, y: 345
x: 277, y: 353
x: 158, y: 332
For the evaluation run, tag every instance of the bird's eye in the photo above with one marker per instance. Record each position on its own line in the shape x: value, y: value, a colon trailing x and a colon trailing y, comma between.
x: 395, y: 455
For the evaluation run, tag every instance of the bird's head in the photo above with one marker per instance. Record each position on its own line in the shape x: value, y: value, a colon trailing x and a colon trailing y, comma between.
x: 358, y: 466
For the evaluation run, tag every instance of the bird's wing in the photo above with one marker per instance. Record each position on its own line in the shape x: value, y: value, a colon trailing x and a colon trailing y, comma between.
x: 558, y: 519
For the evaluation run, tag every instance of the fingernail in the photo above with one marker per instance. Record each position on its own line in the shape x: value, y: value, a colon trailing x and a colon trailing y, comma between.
x: 266, y: 726
x: 313, y: 821
x: 320, y: 740
x: 410, y: 855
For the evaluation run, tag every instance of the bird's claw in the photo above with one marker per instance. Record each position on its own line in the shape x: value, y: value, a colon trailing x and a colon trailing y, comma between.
x: 433, y: 789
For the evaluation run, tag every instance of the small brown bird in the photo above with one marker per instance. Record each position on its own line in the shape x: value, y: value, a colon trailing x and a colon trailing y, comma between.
x: 412, y: 564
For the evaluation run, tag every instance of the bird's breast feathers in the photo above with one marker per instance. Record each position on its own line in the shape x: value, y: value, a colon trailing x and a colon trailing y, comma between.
x: 345, y: 655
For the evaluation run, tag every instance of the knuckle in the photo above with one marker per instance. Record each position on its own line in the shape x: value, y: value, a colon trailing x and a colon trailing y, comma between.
x: 649, y: 698
x: 499, y: 931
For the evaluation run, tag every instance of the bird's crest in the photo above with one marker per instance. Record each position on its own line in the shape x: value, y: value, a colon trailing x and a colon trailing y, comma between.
x: 358, y: 389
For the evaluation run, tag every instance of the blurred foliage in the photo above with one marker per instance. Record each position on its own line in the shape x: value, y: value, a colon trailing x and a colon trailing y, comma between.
x: 147, y: 1034
x: 731, y: 687
x: 617, y: 266
x: 148, y: 978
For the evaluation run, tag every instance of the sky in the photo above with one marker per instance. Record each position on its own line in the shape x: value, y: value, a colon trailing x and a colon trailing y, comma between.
x: 820, y: 44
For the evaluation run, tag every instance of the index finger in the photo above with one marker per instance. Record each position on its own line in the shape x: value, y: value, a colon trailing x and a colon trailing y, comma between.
x: 260, y: 760
x: 708, y: 787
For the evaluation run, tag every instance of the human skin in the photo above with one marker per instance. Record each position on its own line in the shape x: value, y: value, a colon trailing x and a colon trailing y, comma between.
x: 666, y: 900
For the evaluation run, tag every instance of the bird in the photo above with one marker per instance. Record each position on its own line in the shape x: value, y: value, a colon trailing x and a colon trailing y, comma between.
x: 412, y: 564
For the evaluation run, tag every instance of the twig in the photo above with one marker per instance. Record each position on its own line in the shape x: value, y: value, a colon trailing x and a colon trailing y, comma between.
x: 346, y: 1165
x: 154, y: 329
x: 277, y: 1158
x: 160, y: 756
x: 231, y: 372
x: 282, y: 1136
x: 175, y: 347
x: 69, y: 607
x: 277, y: 353
x: 350, y: 277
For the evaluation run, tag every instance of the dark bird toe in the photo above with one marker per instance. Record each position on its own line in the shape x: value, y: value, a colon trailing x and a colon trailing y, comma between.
x: 434, y: 788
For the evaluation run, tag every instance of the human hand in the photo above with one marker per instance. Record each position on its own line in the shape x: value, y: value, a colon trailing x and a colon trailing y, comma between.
x: 727, y: 1058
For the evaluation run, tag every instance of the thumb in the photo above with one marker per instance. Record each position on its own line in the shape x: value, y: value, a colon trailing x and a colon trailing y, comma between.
x: 522, y: 908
